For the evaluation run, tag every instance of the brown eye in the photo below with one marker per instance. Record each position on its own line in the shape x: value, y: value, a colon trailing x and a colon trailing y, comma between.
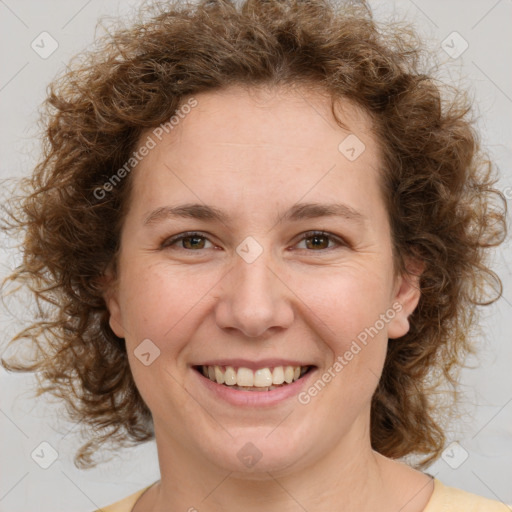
x: 189, y: 241
x: 193, y: 242
x: 319, y: 241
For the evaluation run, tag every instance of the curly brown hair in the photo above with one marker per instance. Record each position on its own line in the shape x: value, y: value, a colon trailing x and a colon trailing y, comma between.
x: 438, y: 186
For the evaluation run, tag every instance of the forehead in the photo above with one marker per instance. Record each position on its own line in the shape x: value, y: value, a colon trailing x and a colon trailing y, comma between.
x: 241, y: 142
x: 272, y: 117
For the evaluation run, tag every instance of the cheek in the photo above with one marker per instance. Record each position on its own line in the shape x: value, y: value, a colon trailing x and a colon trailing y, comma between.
x: 346, y: 300
x: 147, y: 301
x: 352, y: 333
x: 160, y: 301
x: 347, y: 311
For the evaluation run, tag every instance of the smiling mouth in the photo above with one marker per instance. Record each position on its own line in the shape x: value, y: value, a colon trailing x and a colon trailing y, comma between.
x: 245, y: 379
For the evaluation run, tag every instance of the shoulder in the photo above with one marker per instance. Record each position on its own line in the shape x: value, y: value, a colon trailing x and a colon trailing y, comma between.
x: 126, y: 504
x: 450, y: 499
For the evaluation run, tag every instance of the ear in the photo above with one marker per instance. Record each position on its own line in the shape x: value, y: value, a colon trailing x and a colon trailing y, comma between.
x: 406, y: 296
x: 111, y: 296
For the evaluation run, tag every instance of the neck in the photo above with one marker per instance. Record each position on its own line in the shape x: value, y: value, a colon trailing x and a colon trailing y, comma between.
x: 346, y: 478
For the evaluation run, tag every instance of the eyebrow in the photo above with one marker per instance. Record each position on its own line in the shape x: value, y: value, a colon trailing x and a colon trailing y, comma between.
x: 297, y: 212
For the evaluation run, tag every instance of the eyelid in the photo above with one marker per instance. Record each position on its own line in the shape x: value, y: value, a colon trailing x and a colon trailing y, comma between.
x: 169, y: 241
x: 331, y: 236
x: 341, y: 242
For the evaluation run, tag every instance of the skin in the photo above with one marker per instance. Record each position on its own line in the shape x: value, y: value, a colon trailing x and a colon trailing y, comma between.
x: 253, y: 153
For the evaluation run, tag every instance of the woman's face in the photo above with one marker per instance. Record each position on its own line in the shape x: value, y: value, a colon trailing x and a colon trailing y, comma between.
x: 249, y: 291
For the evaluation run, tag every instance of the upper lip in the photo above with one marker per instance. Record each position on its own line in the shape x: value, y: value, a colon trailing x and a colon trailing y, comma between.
x: 253, y: 365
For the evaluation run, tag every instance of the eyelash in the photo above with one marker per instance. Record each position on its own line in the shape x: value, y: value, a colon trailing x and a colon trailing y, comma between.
x: 168, y: 242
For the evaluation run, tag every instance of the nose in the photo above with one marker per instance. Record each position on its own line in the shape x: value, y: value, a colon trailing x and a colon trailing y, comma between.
x: 254, y: 298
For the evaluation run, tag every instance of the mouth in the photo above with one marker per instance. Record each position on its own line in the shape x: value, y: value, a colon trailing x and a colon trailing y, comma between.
x: 261, y: 379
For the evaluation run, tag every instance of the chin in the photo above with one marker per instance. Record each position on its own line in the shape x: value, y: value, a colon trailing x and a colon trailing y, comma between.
x: 252, y: 455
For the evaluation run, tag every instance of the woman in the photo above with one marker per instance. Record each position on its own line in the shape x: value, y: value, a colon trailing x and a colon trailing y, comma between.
x: 262, y: 235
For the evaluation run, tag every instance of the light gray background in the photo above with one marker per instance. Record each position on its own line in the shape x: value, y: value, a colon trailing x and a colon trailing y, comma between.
x: 484, y: 434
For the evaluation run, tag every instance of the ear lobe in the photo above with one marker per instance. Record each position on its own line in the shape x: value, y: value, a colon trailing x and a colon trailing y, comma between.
x: 408, y: 294
x: 110, y: 295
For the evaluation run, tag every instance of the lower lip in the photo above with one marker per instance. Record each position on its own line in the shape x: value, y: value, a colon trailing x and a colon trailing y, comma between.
x: 255, y: 398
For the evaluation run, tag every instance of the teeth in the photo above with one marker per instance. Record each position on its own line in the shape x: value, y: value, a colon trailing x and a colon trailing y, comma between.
x: 219, y: 376
x: 262, y: 378
x: 245, y: 377
x: 288, y: 374
x: 229, y: 376
x: 278, y: 375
